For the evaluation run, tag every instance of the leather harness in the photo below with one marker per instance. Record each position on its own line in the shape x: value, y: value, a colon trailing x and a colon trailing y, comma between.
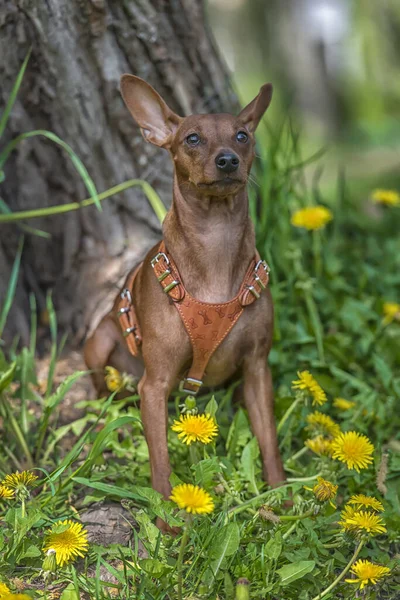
x: 206, y: 324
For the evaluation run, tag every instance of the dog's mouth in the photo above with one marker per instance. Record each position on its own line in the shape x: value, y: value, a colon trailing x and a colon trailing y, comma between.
x: 226, y: 181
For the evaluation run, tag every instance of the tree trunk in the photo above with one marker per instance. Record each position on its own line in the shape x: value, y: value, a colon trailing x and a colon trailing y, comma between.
x: 80, y: 48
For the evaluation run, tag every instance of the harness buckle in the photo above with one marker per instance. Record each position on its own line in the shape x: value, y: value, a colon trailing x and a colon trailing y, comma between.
x: 157, y: 257
x: 253, y: 290
x: 265, y: 266
x: 126, y: 294
x: 191, y: 381
x: 129, y: 330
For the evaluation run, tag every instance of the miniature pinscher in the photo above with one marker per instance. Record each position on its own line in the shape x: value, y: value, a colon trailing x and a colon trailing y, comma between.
x: 198, y: 308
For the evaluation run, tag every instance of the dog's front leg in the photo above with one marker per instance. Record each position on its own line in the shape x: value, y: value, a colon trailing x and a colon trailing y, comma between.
x: 259, y: 400
x: 154, y: 392
x: 153, y: 406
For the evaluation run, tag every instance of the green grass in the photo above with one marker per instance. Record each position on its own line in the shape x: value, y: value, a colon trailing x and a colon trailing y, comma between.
x: 329, y: 288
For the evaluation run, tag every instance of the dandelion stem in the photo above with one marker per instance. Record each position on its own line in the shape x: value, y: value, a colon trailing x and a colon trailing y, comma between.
x: 289, y: 531
x: 256, y: 500
x: 309, y: 513
x: 317, y: 249
x: 18, y: 434
x: 184, y: 540
x: 289, y: 411
x: 297, y: 455
x: 342, y: 574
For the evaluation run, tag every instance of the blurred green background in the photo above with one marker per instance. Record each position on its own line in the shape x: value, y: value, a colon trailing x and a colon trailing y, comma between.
x: 334, y: 66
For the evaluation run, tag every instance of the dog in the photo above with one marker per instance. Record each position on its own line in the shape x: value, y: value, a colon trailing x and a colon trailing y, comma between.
x: 197, y: 310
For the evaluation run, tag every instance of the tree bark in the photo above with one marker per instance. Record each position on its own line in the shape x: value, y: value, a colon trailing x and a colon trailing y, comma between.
x: 80, y: 48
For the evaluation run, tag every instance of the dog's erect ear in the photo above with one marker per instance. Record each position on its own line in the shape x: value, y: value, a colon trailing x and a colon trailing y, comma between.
x: 252, y: 113
x: 156, y: 120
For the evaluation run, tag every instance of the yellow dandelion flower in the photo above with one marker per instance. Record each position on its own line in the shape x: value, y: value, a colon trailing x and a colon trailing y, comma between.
x: 113, y: 379
x: 364, y: 520
x: 367, y: 572
x: 11, y: 596
x: 343, y: 404
x: 347, y: 513
x: 312, y: 217
x: 4, y: 589
x: 68, y: 539
x: 324, y: 490
x: 18, y: 480
x: 354, y: 449
x: 391, y: 311
x: 322, y: 424
x: 367, y: 501
x: 195, y: 428
x: 6, y: 492
x: 6, y: 594
x: 307, y: 382
x: 320, y: 445
x: 192, y: 498
x: 387, y: 197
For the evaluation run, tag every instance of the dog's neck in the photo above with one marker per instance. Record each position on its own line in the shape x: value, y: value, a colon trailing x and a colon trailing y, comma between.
x: 211, y: 239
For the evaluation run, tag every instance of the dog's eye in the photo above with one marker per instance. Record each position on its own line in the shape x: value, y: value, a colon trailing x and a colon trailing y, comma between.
x: 242, y: 137
x: 193, y: 139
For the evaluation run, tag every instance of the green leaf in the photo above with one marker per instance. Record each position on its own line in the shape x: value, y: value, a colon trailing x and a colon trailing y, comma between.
x: 31, y: 552
x: 13, y: 95
x: 238, y: 432
x: 226, y: 543
x: 108, y: 489
x: 290, y: 573
x: 211, y: 407
x: 154, y: 567
x: 148, y: 531
x: 101, y: 439
x: 249, y: 456
x: 69, y: 593
x: 54, y: 399
x: 229, y: 587
x: 205, y: 471
x: 273, y: 547
x: 383, y: 370
x: 7, y: 377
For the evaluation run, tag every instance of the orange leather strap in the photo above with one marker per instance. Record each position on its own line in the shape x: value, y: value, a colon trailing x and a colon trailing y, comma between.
x: 125, y: 313
x: 207, y: 324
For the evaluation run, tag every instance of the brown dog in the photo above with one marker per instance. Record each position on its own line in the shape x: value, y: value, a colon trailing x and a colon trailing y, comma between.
x: 208, y: 258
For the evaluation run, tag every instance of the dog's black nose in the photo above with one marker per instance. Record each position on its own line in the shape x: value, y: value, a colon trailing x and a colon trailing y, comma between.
x: 227, y: 162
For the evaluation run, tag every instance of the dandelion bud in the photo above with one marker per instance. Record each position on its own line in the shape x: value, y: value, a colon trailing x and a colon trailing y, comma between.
x: 242, y: 589
x: 49, y: 564
x: 219, y: 489
x: 267, y: 514
x: 190, y: 403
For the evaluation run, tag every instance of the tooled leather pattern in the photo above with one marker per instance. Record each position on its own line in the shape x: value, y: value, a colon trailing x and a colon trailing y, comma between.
x: 207, y: 324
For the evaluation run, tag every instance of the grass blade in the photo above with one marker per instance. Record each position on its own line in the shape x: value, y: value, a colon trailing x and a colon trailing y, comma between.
x: 11, y: 287
x: 12, y: 97
x: 76, y: 161
x: 4, y: 208
x: 151, y: 194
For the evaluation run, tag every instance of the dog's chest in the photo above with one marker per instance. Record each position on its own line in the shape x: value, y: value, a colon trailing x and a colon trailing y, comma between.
x: 250, y: 334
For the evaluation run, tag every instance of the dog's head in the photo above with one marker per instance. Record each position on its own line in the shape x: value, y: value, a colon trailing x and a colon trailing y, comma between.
x: 212, y: 152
